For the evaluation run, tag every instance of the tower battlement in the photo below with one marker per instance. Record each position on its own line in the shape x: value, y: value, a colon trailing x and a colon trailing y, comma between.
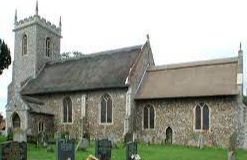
x: 36, y: 19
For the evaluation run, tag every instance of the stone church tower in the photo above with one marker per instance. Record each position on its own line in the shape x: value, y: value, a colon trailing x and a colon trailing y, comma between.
x: 37, y: 42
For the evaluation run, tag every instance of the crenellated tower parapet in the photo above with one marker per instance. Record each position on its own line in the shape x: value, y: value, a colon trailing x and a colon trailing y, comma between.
x: 36, y: 19
x: 37, y: 42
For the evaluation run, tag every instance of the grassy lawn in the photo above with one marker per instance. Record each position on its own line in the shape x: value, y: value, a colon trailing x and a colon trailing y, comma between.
x: 151, y: 152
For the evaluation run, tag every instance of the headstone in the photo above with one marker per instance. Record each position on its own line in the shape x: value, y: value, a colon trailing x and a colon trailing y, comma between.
x: 103, y: 149
x: 65, y: 149
x: 87, y: 136
x: 83, y: 144
x: 128, y: 137
x: 19, y: 136
x: 113, y: 140
x: 131, y: 149
x: 11, y: 150
x: 147, y: 139
x: 201, y: 141
x: 231, y: 155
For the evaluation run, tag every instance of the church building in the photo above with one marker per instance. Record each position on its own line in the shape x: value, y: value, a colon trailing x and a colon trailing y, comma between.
x: 115, y: 92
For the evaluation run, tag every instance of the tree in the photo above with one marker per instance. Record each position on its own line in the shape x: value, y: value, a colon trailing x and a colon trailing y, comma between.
x: 71, y: 55
x: 5, y: 58
x: 245, y: 100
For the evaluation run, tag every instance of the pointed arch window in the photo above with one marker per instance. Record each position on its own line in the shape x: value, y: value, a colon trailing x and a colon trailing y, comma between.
x: 67, y: 110
x: 106, y: 109
x: 41, y: 127
x: 24, y: 44
x: 148, y: 117
x: 201, y: 117
x: 16, y: 121
x: 48, y: 47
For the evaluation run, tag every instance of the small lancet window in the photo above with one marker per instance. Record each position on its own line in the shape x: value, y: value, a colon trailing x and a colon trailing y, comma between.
x: 148, y: 117
x: 106, y: 109
x: 48, y: 47
x: 41, y: 127
x: 24, y: 44
x: 67, y: 110
x: 201, y: 117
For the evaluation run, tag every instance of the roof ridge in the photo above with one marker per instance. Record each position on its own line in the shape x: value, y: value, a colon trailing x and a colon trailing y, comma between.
x: 100, y: 53
x: 194, y: 64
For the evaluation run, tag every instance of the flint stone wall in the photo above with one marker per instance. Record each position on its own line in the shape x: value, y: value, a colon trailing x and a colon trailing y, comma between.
x: 54, y: 105
x: 179, y: 115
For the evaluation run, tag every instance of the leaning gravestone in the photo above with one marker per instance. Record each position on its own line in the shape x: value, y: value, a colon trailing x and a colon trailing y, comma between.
x: 103, y: 149
x: 65, y: 149
x: 11, y: 150
x: 131, y: 149
x: 83, y: 144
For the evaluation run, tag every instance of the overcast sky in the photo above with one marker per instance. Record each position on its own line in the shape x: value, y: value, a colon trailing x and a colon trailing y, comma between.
x: 180, y: 30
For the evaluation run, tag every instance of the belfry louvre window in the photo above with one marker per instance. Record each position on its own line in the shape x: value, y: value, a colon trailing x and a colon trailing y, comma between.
x: 67, y: 110
x: 148, y: 117
x: 24, y: 44
x: 106, y: 109
x: 201, y: 117
x: 48, y: 47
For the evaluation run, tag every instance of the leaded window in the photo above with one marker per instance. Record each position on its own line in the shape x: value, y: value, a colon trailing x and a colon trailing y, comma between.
x: 67, y: 110
x: 24, y: 44
x: 198, y: 117
x: 106, y: 109
x: 41, y: 127
x: 148, y: 117
x: 201, y: 117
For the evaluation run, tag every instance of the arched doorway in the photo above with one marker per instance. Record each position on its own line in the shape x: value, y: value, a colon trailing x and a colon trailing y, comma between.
x: 16, y: 121
x: 168, y: 136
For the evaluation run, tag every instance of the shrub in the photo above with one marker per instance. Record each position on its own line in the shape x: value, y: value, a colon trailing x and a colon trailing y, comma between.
x: 245, y: 100
x: 3, y: 138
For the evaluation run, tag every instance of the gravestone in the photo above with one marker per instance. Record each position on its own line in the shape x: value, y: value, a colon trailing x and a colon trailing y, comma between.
x: 113, y: 140
x: 201, y: 141
x: 11, y: 150
x: 128, y: 137
x: 83, y: 144
x: 65, y: 149
x: 19, y: 136
x: 87, y: 136
x: 131, y: 149
x: 103, y: 149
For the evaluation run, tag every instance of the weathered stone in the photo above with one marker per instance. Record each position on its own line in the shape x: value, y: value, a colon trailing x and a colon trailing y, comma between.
x: 103, y: 149
x: 131, y: 149
x: 13, y: 150
x: 65, y: 149
x: 179, y: 115
x: 19, y: 135
x: 83, y: 144
x: 231, y: 155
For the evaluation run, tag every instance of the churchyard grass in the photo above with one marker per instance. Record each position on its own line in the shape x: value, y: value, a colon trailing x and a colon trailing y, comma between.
x: 147, y: 152
x: 2, y: 138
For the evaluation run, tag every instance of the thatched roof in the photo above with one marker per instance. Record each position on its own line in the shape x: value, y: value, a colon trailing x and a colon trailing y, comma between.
x: 204, y: 78
x: 35, y: 105
x: 107, y: 69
